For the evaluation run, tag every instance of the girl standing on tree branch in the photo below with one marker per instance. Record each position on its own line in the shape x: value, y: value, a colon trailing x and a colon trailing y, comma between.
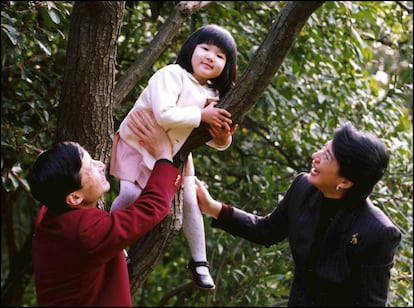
x: 181, y: 96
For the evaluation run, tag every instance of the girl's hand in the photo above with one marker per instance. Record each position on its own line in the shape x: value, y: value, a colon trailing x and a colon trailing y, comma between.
x: 215, y: 116
x: 221, y: 135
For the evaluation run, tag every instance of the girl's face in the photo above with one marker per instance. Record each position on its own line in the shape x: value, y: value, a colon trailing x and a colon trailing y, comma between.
x: 324, y: 172
x: 208, y: 62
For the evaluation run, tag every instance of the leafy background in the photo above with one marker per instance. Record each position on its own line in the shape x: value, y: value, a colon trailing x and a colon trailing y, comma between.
x: 352, y: 62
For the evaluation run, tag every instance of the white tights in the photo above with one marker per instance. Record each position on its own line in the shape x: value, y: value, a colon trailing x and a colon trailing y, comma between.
x: 193, y: 224
x: 128, y: 193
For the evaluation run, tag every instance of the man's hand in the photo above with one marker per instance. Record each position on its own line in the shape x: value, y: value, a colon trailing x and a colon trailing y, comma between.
x: 150, y: 135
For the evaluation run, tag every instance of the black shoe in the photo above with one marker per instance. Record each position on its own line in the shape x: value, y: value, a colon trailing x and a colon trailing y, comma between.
x: 204, y: 282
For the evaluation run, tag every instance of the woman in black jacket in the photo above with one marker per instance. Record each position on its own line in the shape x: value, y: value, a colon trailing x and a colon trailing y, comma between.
x: 342, y: 245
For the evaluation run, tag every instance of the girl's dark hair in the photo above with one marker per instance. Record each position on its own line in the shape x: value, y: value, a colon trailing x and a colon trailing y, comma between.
x: 55, y: 174
x: 220, y: 37
x: 362, y: 159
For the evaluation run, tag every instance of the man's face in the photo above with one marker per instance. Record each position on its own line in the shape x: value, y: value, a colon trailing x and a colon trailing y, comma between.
x: 93, y: 180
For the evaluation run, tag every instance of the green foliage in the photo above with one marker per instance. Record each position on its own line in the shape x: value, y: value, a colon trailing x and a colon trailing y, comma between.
x: 33, y: 48
x: 352, y: 62
x: 31, y: 80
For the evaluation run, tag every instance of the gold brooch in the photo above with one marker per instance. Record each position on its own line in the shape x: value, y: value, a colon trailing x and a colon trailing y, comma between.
x: 354, y: 239
x: 177, y: 180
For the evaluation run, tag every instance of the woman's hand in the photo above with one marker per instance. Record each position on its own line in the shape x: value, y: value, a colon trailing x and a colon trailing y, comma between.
x: 206, y: 203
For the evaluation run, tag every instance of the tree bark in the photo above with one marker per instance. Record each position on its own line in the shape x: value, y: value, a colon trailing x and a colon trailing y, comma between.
x: 85, y: 109
x: 148, y: 251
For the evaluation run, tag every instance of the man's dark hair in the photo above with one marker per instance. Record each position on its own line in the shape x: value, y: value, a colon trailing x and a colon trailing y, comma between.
x: 55, y: 174
x: 362, y: 159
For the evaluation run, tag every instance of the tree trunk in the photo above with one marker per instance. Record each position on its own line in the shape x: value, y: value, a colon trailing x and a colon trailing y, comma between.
x: 85, y: 109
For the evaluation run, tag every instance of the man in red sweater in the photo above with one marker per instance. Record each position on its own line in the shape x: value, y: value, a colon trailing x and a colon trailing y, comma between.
x: 77, y: 247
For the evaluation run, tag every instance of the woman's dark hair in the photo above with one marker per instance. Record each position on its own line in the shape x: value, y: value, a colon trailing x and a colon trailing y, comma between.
x: 362, y: 159
x: 55, y: 174
x: 220, y: 37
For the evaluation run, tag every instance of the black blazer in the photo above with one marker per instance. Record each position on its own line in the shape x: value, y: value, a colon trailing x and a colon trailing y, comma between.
x: 355, y: 254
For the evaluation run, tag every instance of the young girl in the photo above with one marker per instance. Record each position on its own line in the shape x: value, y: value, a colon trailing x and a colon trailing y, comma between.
x: 181, y: 96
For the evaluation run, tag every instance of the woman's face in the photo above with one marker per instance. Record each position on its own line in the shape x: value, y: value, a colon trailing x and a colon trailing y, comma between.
x: 324, y: 172
x: 208, y: 62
